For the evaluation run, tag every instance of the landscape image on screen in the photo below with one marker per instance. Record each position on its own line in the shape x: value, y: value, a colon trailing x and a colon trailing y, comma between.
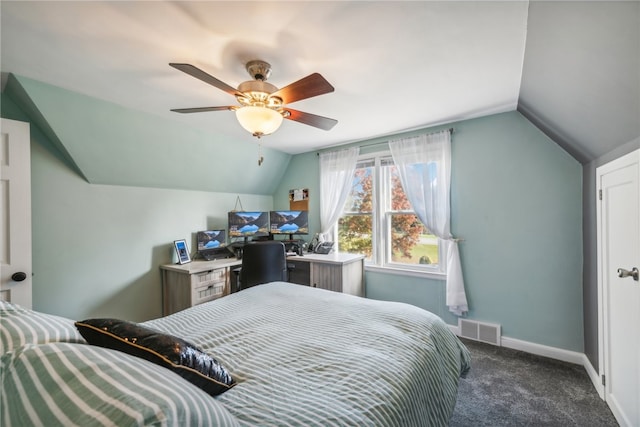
x: 243, y: 224
x: 289, y: 222
x: 211, y: 239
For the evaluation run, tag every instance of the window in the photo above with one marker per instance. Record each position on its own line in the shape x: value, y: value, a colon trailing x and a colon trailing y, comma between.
x: 378, y: 220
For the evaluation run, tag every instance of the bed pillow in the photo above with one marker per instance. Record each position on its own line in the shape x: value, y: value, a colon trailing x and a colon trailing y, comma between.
x: 21, y: 326
x: 64, y: 384
x: 166, y: 350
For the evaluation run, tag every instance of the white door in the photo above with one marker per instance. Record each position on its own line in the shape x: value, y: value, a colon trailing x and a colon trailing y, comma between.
x: 619, y: 255
x: 15, y: 213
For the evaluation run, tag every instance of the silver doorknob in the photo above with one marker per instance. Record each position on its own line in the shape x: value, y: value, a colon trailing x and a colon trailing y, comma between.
x: 626, y: 273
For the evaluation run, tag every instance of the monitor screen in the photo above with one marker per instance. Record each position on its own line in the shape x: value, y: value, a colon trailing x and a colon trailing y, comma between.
x: 244, y: 224
x: 211, y: 239
x: 289, y: 222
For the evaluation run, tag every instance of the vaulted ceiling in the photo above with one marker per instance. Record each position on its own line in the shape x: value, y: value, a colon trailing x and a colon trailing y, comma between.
x: 581, y: 74
x: 573, y: 68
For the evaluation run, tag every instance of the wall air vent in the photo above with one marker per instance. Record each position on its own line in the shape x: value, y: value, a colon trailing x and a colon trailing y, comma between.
x: 479, y: 331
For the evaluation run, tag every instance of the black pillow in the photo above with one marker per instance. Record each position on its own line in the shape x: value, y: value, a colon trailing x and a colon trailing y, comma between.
x: 173, y: 353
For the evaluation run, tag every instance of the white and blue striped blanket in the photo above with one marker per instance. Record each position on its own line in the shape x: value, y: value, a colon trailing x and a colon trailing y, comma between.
x: 301, y: 357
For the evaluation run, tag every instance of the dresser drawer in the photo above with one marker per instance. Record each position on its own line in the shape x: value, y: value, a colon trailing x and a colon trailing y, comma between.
x: 208, y: 285
x: 208, y: 277
x: 207, y: 293
x: 184, y: 286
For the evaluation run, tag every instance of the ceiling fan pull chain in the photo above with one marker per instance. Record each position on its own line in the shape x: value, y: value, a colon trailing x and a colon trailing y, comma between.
x: 260, y: 158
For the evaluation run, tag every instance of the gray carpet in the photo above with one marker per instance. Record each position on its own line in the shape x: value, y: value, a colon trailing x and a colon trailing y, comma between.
x: 511, y: 388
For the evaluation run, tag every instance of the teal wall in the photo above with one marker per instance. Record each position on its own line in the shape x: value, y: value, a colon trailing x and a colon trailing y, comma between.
x: 97, y: 248
x: 304, y: 172
x: 516, y: 201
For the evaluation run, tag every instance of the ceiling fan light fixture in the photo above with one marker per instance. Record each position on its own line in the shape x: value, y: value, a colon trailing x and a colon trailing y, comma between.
x: 262, y: 105
x: 259, y: 121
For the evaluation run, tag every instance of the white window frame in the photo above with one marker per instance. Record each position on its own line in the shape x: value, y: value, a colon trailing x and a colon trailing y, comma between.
x: 381, y: 224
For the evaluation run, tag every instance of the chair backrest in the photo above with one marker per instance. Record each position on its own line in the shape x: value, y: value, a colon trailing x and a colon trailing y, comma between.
x: 263, y: 262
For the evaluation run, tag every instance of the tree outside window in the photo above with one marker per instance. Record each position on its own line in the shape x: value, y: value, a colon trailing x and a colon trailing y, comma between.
x: 379, y: 221
x: 355, y: 227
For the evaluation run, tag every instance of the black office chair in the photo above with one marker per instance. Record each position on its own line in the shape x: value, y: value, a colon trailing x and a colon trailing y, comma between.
x: 262, y: 262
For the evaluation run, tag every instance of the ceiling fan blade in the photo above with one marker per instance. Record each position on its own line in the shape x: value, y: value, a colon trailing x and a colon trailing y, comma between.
x: 320, y: 122
x: 307, y: 87
x: 207, y: 78
x: 200, y: 109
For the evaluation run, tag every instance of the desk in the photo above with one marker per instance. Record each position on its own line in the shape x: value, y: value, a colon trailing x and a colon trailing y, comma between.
x: 335, y: 271
x: 186, y: 285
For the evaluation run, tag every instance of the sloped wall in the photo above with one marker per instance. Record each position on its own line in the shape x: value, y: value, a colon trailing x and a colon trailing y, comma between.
x: 110, y: 144
x: 516, y: 200
x: 97, y: 248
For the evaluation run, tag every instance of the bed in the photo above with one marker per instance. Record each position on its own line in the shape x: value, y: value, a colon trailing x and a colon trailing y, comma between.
x: 299, y: 356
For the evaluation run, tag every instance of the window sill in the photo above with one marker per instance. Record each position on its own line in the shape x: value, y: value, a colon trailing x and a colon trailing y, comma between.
x: 403, y: 272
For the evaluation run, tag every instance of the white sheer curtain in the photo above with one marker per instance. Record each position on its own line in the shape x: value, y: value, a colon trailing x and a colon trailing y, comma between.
x: 424, y: 166
x: 336, y: 177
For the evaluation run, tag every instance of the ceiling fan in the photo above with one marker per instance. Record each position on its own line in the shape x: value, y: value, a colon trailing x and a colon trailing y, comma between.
x: 262, y: 105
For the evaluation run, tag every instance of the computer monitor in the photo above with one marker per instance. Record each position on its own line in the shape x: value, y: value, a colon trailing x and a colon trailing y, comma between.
x: 248, y: 224
x: 211, y: 239
x: 212, y: 244
x: 289, y: 222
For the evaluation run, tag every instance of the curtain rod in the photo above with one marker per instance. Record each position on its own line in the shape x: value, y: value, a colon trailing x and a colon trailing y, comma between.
x: 387, y: 141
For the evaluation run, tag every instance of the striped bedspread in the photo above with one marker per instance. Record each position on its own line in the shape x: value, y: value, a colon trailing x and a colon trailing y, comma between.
x: 309, y: 357
x: 301, y: 357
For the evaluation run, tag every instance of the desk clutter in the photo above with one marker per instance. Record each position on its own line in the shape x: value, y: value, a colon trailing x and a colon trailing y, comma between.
x: 219, y: 255
x: 244, y: 227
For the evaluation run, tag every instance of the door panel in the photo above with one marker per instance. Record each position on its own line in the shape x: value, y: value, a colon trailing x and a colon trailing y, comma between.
x: 15, y: 213
x: 619, y: 222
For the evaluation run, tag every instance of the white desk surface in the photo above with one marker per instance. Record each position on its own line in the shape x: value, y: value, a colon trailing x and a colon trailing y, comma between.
x: 332, y: 258
x: 199, y: 265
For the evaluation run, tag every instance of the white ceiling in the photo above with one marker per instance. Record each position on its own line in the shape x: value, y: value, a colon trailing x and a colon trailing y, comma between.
x: 572, y: 68
x: 395, y: 66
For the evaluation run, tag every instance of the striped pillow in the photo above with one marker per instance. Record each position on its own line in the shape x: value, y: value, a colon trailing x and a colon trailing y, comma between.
x: 20, y: 326
x: 62, y: 384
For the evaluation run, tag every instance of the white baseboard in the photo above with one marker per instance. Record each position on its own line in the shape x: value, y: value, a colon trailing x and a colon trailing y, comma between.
x: 538, y: 349
x: 544, y: 350
x: 594, y: 376
x: 553, y: 353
